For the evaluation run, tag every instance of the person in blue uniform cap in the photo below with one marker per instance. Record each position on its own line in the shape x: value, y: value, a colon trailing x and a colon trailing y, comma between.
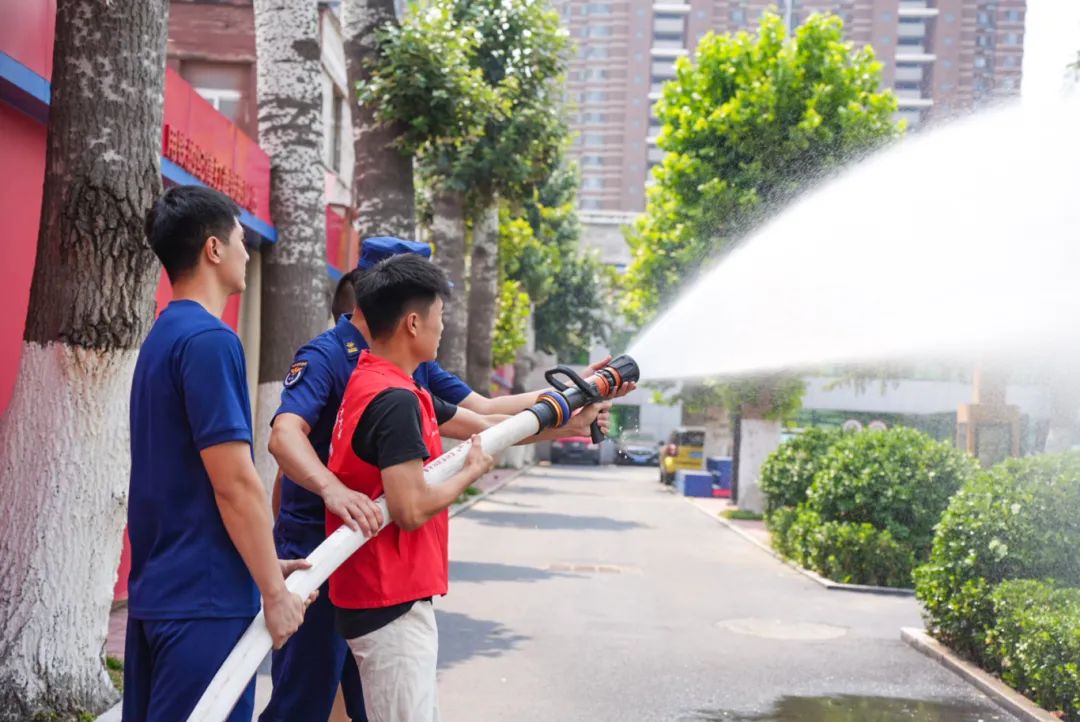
x: 306, y: 672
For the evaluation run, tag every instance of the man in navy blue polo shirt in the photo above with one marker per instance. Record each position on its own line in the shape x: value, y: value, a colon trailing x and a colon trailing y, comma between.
x: 307, y: 670
x: 199, y: 524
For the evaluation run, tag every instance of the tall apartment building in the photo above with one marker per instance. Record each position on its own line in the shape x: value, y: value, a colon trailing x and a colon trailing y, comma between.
x: 939, y: 56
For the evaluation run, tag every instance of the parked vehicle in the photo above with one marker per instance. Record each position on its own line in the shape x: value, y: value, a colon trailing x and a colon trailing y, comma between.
x: 685, y: 449
x: 575, y: 450
x: 637, y: 447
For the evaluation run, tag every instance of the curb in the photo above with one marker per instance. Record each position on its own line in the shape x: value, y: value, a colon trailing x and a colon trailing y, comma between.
x: 827, y: 583
x: 458, y: 508
x: 1001, y: 693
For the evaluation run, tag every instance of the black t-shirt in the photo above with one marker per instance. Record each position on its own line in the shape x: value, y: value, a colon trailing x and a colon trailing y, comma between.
x: 389, y: 433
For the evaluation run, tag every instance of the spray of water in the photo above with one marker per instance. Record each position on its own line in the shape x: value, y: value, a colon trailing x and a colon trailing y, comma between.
x: 961, y: 243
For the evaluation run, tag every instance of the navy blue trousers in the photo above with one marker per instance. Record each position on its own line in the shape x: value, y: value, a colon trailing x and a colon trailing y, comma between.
x: 307, y: 670
x: 169, y: 663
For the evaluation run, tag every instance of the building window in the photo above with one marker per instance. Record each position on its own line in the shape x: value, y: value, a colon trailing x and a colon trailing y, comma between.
x: 984, y: 18
x: 595, y: 52
x: 1011, y: 61
x: 590, y: 204
x: 592, y: 183
x: 592, y: 160
x: 1014, y: 39
x: 592, y: 139
x: 599, y: 31
x: 597, y: 9
x: 1014, y: 16
x: 663, y: 69
x: 666, y: 23
x: 980, y: 62
x: 221, y: 84
x: 738, y: 16
x: 226, y: 102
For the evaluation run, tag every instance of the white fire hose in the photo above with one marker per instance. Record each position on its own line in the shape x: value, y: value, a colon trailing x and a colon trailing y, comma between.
x: 553, y: 408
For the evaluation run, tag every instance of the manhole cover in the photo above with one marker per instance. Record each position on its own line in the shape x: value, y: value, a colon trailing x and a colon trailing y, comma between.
x: 776, y: 629
x: 591, y: 568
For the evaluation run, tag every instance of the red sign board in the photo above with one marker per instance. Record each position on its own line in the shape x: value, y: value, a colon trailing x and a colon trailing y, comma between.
x: 206, y: 144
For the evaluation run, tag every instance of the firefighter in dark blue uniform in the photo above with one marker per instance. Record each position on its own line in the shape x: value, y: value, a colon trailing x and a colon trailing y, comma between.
x: 307, y: 670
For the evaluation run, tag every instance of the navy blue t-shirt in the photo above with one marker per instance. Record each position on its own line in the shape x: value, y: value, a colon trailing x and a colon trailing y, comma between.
x: 189, y: 393
x: 313, y: 391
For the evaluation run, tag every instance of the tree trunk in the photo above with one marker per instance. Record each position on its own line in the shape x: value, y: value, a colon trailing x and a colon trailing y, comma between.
x: 383, y: 176
x: 64, y: 458
x: 448, y: 229
x: 525, y: 361
x: 758, y: 437
x: 294, y: 301
x: 483, y: 296
x: 736, y: 442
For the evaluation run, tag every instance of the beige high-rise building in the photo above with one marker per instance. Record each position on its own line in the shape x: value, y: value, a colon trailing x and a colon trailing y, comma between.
x: 940, y: 57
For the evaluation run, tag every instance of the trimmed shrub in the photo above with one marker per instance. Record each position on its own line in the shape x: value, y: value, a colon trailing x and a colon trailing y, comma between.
x: 848, y: 553
x: 1018, y: 520
x: 788, y: 472
x: 898, y: 481
x: 1036, y: 639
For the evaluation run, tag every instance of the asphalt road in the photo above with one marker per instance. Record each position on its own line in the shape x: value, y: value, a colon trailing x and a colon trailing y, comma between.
x: 583, y: 593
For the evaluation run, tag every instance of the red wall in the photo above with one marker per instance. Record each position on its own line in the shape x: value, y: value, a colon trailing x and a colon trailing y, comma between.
x: 22, y: 156
x: 189, y: 113
x: 26, y: 33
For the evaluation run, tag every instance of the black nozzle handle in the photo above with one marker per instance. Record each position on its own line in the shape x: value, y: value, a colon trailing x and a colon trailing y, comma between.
x: 595, y: 433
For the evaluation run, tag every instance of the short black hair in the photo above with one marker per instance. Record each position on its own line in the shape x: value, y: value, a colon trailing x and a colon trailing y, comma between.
x: 396, y: 286
x: 344, y: 300
x: 181, y: 220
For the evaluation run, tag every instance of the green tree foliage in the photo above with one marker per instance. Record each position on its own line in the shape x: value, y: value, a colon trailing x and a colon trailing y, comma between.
x: 518, y: 50
x: 510, y: 322
x: 426, y: 80
x: 539, y: 247
x: 746, y: 126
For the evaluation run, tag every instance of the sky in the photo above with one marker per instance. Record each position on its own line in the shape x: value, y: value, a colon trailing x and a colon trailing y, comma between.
x: 1051, y: 42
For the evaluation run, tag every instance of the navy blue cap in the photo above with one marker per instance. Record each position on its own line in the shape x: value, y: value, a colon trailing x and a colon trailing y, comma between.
x: 380, y: 248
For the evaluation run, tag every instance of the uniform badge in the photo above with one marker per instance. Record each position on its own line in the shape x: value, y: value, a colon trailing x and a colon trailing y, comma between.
x: 351, y: 349
x: 295, y: 372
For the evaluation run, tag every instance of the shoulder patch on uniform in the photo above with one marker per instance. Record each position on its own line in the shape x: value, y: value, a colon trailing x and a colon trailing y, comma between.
x: 295, y: 372
x: 351, y: 349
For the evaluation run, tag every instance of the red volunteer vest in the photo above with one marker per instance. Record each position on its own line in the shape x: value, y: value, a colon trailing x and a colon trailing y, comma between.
x: 396, y: 566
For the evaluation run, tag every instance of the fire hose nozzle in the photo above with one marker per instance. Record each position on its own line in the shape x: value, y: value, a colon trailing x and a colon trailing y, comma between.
x: 555, y: 406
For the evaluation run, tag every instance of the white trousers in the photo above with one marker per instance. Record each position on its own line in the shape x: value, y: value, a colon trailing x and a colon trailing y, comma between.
x: 397, y: 667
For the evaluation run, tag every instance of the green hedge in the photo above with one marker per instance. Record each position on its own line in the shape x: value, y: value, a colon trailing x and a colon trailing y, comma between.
x: 789, y: 471
x: 1036, y: 640
x: 1019, y: 520
x: 863, y: 509
x: 898, y: 481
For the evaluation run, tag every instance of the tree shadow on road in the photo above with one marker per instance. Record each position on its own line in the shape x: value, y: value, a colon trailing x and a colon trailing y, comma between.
x: 546, y: 491
x: 480, y: 572
x: 552, y: 521
x: 461, y: 638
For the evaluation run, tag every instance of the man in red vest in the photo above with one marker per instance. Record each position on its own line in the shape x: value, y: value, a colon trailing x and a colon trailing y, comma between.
x: 387, y: 427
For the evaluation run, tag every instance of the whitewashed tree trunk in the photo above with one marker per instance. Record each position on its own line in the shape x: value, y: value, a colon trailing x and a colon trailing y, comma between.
x: 483, y: 296
x: 294, y: 300
x: 758, y: 439
x: 448, y: 231
x: 382, y: 176
x: 64, y: 452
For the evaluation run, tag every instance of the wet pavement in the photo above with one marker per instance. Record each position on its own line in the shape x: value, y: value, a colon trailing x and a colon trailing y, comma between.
x: 584, y: 593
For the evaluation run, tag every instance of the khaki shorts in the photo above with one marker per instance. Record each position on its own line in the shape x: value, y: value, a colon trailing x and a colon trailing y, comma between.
x: 397, y: 667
